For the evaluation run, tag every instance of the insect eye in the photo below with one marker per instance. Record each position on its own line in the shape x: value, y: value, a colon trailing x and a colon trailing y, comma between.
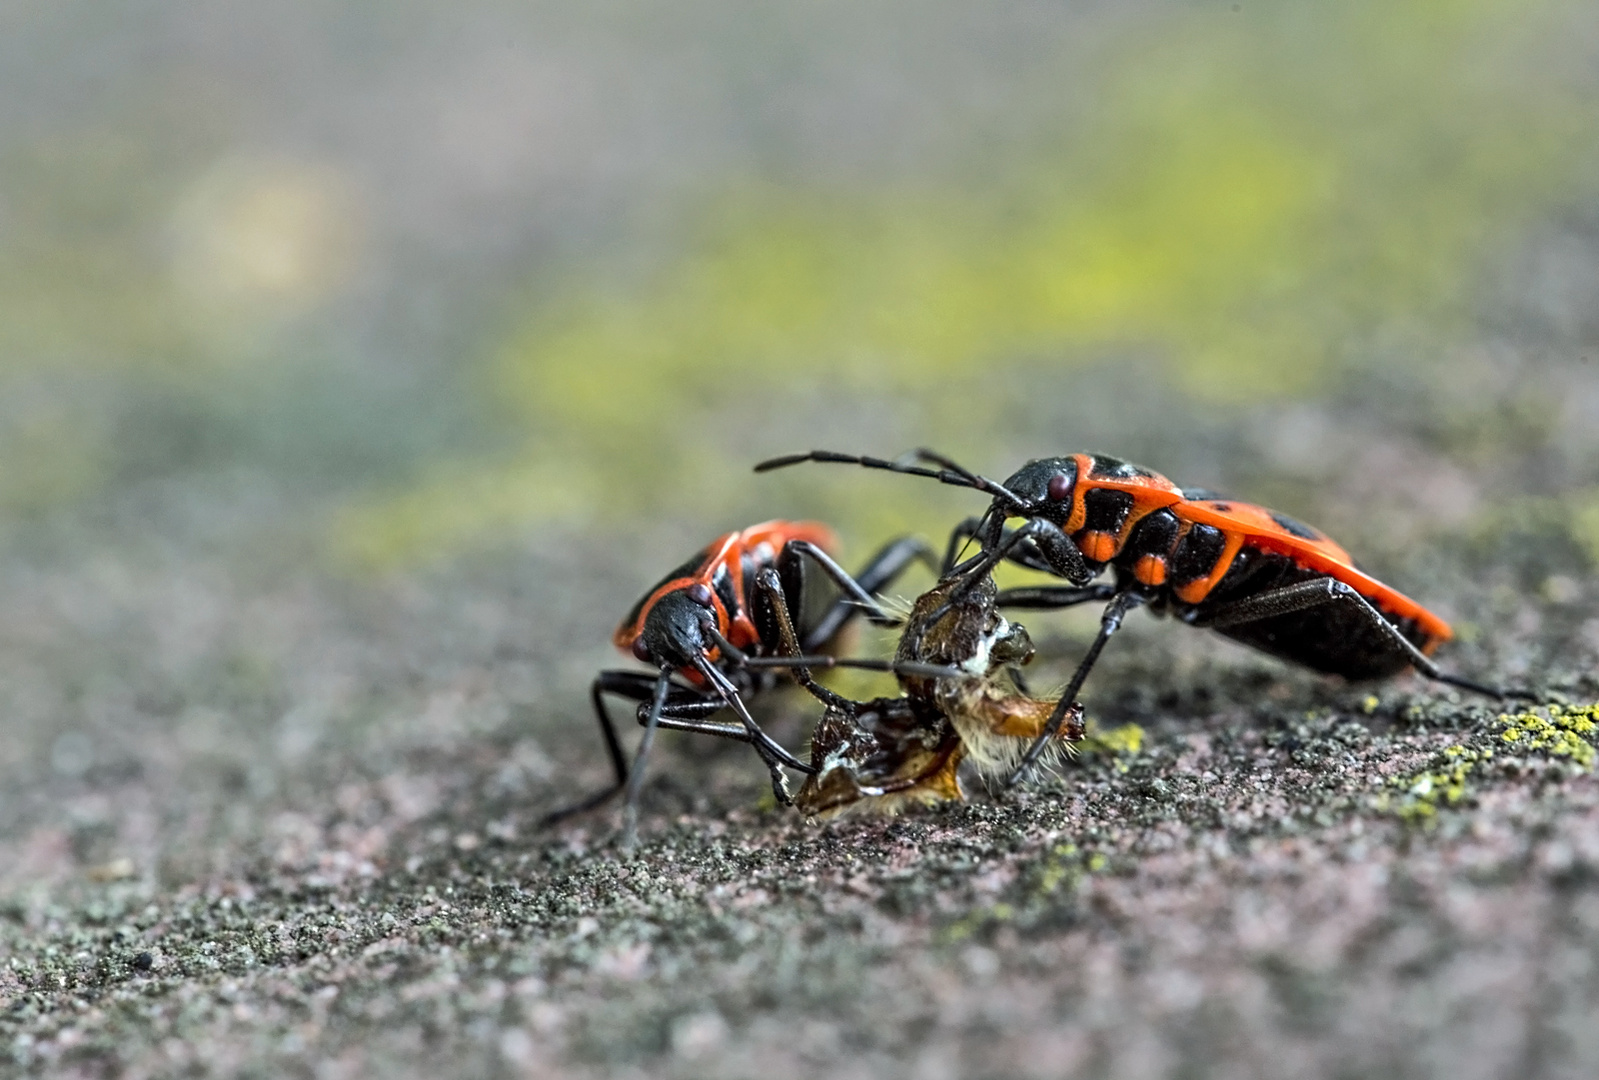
x: 641, y: 650
x: 700, y: 593
x: 1060, y: 486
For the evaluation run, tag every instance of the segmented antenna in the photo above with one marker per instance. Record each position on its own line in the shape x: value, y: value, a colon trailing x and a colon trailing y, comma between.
x: 824, y: 660
x: 896, y: 667
x: 948, y: 472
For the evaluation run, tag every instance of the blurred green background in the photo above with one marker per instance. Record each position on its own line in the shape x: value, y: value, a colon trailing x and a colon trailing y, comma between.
x: 327, y: 297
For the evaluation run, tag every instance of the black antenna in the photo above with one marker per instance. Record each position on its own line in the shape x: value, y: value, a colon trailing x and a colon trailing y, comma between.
x: 948, y: 472
x: 981, y: 483
x: 893, y: 667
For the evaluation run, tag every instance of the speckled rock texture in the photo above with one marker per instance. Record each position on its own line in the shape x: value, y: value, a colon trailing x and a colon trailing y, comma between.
x: 268, y: 822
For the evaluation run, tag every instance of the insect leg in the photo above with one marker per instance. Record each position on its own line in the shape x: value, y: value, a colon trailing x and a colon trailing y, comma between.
x: 629, y: 684
x: 735, y: 732
x: 1058, y: 552
x: 770, y: 584
x: 889, y: 563
x: 1052, y: 597
x: 685, y: 710
x: 1025, y: 553
x: 635, y: 782
x: 959, y: 537
x: 883, y: 568
x: 1054, y: 550
x: 824, y: 660
x: 976, y: 569
x: 1109, y: 623
x: 1322, y: 591
x: 771, y: 752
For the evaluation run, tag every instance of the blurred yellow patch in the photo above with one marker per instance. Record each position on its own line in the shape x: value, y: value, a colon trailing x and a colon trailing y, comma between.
x: 1117, y: 743
x: 1567, y: 733
x: 1421, y: 795
x: 455, y: 506
x: 259, y: 238
x: 1246, y: 196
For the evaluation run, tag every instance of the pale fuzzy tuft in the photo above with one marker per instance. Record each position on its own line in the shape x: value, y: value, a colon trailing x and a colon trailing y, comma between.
x: 998, y: 755
x: 898, y: 606
x: 992, y: 754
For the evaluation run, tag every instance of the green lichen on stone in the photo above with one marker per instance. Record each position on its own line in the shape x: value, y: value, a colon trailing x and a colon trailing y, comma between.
x: 1443, y: 785
x: 1565, y: 734
x: 1119, y: 744
x: 1048, y: 885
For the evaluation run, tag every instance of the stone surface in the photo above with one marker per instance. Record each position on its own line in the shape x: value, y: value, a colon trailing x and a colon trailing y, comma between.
x: 285, y: 826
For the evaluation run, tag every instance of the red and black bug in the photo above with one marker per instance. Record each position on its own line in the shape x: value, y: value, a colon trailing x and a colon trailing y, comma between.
x: 711, y: 629
x: 1253, y: 574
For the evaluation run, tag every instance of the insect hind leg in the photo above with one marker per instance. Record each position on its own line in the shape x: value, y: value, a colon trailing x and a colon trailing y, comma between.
x: 1110, y: 622
x: 1327, y: 591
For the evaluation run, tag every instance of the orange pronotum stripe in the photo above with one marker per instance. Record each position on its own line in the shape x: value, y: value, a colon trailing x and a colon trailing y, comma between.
x: 1150, y: 493
x: 1079, y: 512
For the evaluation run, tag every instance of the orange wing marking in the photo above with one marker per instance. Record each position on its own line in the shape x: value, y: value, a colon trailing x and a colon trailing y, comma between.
x: 1255, y: 525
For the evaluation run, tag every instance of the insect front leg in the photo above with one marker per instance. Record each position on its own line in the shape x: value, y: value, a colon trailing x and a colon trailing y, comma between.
x: 1054, y: 548
x: 771, y: 587
x: 1054, y: 597
x: 858, y: 591
x: 635, y: 685
x: 1109, y: 623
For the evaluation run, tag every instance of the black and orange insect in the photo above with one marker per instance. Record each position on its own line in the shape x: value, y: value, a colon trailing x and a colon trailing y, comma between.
x: 1250, y: 573
x: 710, y: 628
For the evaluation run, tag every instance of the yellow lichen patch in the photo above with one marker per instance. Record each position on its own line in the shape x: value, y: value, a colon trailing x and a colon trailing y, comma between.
x: 1060, y: 867
x: 1124, y: 741
x: 1423, y: 793
x: 1566, y: 734
x: 1062, y: 870
x: 1117, y: 743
